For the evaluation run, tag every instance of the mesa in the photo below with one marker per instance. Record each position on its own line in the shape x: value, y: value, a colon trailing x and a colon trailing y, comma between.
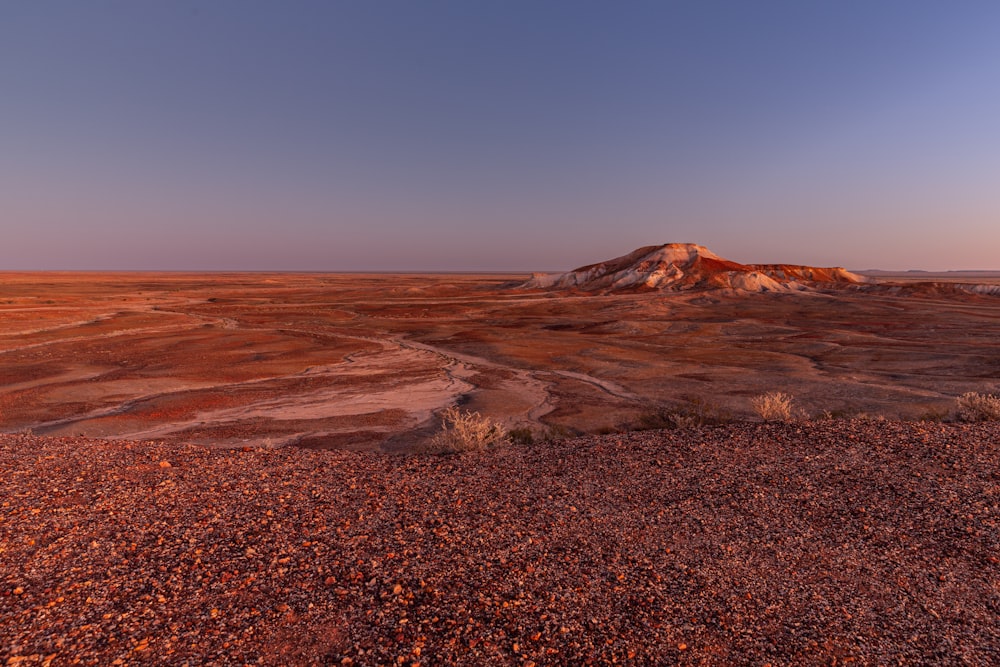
x: 369, y: 361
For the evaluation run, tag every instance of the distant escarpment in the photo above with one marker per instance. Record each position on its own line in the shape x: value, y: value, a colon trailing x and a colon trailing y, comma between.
x: 687, y: 266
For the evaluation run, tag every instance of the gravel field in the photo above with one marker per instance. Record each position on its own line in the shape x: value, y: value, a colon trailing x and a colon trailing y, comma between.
x: 751, y: 544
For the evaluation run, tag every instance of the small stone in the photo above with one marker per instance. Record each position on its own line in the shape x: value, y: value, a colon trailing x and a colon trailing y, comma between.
x: 397, y: 589
x: 330, y: 581
x: 18, y: 590
x: 165, y: 464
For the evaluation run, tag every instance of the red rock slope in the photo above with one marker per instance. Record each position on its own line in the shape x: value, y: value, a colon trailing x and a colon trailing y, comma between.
x: 686, y: 266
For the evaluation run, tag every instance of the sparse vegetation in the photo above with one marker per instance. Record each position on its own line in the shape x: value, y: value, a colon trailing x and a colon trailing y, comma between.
x: 869, y: 417
x: 468, y: 432
x: 850, y: 415
x: 933, y: 416
x: 668, y: 419
x: 773, y: 406
x: 975, y: 407
x: 694, y: 412
x: 521, y: 436
x: 558, y: 432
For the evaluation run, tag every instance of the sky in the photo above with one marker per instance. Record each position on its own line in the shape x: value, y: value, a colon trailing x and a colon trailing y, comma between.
x: 497, y: 135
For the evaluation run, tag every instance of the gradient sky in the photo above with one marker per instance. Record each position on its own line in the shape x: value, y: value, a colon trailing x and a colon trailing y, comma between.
x: 500, y: 135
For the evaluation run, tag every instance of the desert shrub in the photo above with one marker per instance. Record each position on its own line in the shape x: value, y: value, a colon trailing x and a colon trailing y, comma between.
x: 838, y: 413
x: 521, y: 436
x: 974, y: 407
x: 558, y: 432
x: 773, y: 406
x: 844, y: 414
x: 669, y: 419
x: 933, y: 416
x: 468, y: 432
x: 695, y: 411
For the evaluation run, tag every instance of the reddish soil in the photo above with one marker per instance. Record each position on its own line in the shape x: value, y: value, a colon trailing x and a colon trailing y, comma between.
x: 839, y: 542
x: 370, y: 360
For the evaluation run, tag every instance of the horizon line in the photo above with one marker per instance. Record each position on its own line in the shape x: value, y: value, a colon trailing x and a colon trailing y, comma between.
x: 422, y: 271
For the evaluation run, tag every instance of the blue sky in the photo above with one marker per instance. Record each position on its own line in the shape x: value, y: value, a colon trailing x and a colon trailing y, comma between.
x: 497, y: 135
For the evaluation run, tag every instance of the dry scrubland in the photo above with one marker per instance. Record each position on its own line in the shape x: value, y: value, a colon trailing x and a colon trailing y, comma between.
x: 370, y: 361
x: 744, y: 534
x: 789, y: 544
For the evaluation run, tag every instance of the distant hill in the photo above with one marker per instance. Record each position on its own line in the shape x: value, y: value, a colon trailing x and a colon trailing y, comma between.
x: 688, y: 266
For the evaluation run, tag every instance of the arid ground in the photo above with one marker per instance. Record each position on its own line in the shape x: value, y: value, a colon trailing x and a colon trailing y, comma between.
x: 364, y: 361
x: 830, y: 543
x: 125, y: 541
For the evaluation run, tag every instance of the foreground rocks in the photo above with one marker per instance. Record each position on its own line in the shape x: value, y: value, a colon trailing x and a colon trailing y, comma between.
x: 823, y: 543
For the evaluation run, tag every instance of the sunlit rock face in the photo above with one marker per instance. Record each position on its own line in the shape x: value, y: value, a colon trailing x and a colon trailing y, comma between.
x: 688, y: 266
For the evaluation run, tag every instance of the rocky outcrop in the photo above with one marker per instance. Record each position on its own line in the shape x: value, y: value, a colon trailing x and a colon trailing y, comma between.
x: 688, y: 266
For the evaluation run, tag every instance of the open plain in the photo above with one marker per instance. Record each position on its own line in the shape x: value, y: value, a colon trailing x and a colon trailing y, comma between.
x: 365, y: 361
x: 125, y: 540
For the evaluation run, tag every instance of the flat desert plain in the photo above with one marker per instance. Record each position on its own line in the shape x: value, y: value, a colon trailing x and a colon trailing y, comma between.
x: 366, y: 361
x: 124, y: 541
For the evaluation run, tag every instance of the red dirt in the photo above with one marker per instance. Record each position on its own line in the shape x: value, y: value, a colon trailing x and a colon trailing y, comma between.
x: 824, y: 543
